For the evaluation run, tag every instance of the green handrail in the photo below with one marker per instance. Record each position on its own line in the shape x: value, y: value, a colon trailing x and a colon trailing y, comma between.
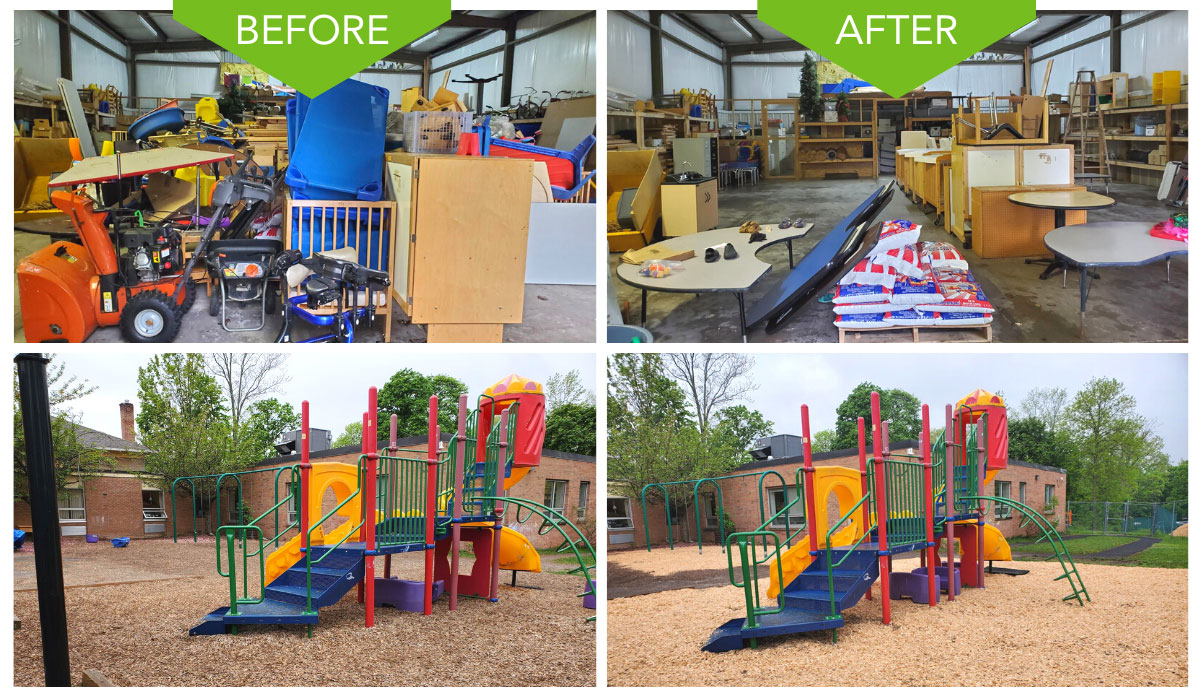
x: 229, y: 532
x: 830, y: 564
x: 1070, y: 572
x: 308, y: 537
x: 749, y: 567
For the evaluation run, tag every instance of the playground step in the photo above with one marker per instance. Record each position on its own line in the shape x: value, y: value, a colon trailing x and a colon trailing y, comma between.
x: 322, y: 577
x: 294, y: 590
x: 269, y: 612
x: 843, y: 580
x: 733, y: 634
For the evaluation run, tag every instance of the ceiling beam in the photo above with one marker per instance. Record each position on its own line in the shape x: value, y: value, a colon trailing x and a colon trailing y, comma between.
x: 669, y: 36
x: 690, y: 23
x: 765, y: 47
x: 741, y: 22
x: 1064, y: 29
x: 158, y: 32
x: 82, y: 34
x: 403, y: 56
x: 465, y: 40
x: 95, y: 18
x: 197, y: 44
x: 476, y: 21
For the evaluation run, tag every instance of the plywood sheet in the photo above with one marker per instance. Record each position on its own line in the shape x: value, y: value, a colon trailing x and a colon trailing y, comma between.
x: 105, y: 168
x: 562, y: 244
x: 472, y: 228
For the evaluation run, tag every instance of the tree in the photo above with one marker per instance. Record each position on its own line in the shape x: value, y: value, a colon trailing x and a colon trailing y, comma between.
x: 350, y: 436
x: 406, y: 395
x: 182, y: 421
x: 566, y: 389
x: 810, y: 91
x: 822, y: 441
x: 1047, y: 405
x: 902, y: 409
x: 265, y: 423
x: 740, y: 427
x: 711, y: 381
x: 247, y: 378
x: 638, y: 387
x: 571, y: 428
x: 1115, y: 444
x: 72, y: 458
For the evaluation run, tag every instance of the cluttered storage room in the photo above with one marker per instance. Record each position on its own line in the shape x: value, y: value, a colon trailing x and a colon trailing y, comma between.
x: 1034, y: 192
x: 167, y: 190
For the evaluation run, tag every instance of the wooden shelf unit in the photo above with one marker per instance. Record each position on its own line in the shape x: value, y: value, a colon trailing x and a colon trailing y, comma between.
x: 1127, y: 170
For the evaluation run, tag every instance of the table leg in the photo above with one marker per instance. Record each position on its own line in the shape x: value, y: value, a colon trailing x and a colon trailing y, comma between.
x: 792, y: 265
x: 644, y: 307
x: 1168, y: 270
x: 742, y: 315
x: 1084, y: 283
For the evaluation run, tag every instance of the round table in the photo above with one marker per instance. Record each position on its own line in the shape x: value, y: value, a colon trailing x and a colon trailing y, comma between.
x: 1060, y: 202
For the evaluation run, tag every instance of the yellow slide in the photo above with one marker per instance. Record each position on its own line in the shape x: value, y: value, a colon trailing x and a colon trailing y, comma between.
x: 796, y: 559
x: 995, y: 546
x: 517, y: 553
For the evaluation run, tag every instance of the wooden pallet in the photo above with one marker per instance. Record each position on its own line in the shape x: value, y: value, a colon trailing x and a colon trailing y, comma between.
x: 974, y: 333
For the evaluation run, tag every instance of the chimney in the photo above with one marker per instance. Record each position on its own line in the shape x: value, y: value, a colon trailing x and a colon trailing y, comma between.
x: 127, y: 429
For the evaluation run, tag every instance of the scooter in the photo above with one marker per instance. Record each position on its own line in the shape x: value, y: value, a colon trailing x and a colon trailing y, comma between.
x: 339, y: 282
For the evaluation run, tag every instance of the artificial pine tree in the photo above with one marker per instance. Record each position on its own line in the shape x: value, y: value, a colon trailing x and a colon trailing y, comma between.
x: 810, y: 91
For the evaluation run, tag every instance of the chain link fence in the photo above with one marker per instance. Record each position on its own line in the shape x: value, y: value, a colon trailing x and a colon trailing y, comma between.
x: 1126, y: 518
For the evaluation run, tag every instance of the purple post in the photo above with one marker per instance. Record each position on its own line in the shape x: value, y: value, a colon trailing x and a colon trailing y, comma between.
x: 460, y: 456
x: 949, y: 496
x: 494, y: 594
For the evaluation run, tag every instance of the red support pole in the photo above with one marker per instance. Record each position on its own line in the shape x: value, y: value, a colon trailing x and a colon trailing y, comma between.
x: 810, y: 491
x: 877, y: 436
x: 456, y: 515
x: 370, y: 500
x: 949, y: 437
x: 305, y: 467
x: 498, y: 510
x: 362, y: 530
x: 431, y: 460
x: 927, y: 460
x: 862, y: 471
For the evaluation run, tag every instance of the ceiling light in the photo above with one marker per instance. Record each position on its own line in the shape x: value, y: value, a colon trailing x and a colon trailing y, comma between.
x: 146, y: 22
x: 738, y: 22
x: 1022, y: 29
x: 430, y: 35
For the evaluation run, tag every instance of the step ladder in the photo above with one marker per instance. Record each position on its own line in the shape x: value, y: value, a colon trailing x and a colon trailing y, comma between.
x: 1085, y: 126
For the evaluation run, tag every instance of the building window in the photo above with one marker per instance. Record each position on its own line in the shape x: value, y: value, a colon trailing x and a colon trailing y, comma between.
x: 152, y: 505
x: 780, y: 497
x: 70, y: 505
x: 710, y: 510
x: 1003, y: 490
x: 1021, y: 493
x: 556, y: 495
x: 293, y: 515
x: 1048, y: 502
x: 584, y: 492
x: 233, y: 508
x: 619, y: 517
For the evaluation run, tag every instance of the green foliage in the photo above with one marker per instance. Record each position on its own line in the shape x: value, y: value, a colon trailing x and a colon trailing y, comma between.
x: 1170, y: 552
x: 730, y: 525
x: 406, y: 395
x: 842, y: 106
x: 638, y: 387
x: 1115, y: 444
x: 566, y: 389
x: 739, y: 427
x: 571, y: 428
x: 810, y: 91
x: 267, y: 420
x: 350, y: 436
x: 72, y: 458
x: 822, y: 441
x: 901, y: 408
x: 182, y: 419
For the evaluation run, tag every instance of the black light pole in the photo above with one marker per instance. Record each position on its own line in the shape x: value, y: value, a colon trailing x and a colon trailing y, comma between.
x: 43, y: 502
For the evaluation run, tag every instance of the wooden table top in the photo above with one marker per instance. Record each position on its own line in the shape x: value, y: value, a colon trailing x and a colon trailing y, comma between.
x: 1067, y: 200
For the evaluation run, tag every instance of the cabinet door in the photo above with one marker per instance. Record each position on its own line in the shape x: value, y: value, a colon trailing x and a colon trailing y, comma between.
x: 400, y: 189
x: 989, y: 167
x: 1047, y: 166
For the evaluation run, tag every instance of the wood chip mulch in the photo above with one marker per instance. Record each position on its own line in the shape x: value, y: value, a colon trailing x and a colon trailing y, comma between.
x: 1014, y: 632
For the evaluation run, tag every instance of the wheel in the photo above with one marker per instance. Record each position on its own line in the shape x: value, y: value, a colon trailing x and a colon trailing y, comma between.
x: 214, y: 300
x: 151, y: 316
x: 189, y: 295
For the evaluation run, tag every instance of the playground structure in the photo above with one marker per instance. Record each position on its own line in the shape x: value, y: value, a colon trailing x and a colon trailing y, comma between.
x: 417, y: 500
x: 892, y: 504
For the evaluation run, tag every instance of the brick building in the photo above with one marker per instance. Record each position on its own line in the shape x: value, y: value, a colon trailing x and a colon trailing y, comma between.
x: 1030, y: 483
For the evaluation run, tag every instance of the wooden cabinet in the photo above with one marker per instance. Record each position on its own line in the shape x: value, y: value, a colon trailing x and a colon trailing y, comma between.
x: 1001, y: 166
x: 462, y: 226
x: 689, y: 208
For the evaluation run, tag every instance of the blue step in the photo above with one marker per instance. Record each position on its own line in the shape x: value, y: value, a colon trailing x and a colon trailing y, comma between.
x: 733, y: 634
x: 269, y: 612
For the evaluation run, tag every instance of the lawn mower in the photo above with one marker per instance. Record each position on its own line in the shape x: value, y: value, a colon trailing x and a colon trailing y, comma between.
x: 125, y: 272
x: 329, y: 280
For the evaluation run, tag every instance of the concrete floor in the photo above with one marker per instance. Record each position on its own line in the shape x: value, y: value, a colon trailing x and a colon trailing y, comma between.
x: 1131, y: 304
x: 552, y: 313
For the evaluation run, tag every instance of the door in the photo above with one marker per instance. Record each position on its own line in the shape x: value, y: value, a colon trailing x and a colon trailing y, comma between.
x: 779, y: 119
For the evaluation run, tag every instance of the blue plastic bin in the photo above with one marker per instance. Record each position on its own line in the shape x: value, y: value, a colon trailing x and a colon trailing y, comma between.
x: 120, y: 542
x: 339, y: 145
x: 18, y: 538
x: 148, y: 124
x: 92, y: 538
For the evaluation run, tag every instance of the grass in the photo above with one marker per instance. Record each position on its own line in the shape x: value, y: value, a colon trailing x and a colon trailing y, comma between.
x: 1076, y: 546
x: 1168, y: 552
x: 567, y: 558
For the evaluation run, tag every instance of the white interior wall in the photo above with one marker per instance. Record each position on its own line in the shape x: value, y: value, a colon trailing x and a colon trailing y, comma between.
x: 1093, y: 56
x: 485, y: 67
x: 561, y: 60
x: 1158, y: 45
x: 394, y: 83
x: 628, y: 56
x: 978, y: 80
x: 683, y: 69
x: 36, y: 46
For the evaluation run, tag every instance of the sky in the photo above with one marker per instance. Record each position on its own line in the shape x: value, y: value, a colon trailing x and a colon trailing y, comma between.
x: 1157, y: 381
x: 336, y: 388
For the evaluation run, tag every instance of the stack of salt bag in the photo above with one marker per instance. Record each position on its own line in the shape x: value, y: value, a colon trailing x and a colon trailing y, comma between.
x: 906, y: 283
x: 963, y: 301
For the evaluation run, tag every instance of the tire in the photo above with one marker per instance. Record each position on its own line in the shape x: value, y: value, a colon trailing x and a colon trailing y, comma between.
x: 151, y: 317
x: 214, y: 300
x: 189, y: 296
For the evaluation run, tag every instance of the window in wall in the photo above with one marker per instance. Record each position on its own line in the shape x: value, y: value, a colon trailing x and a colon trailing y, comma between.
x: 1003, y: 489
x: 780, y: 497
x: 293, y: 514
x: 619, y: 518
x: 232, y: 507
x: 1048, y: 502
x: 556, y: 495
x: 710, y: 510
x: 70, y: 505
x: 152, y: 505
x: 584, y: 491
x: 1021, y: 493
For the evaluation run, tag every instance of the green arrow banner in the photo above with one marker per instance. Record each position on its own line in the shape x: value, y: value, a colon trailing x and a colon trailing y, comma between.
x: 892, y: 46
x: 311, y: 45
